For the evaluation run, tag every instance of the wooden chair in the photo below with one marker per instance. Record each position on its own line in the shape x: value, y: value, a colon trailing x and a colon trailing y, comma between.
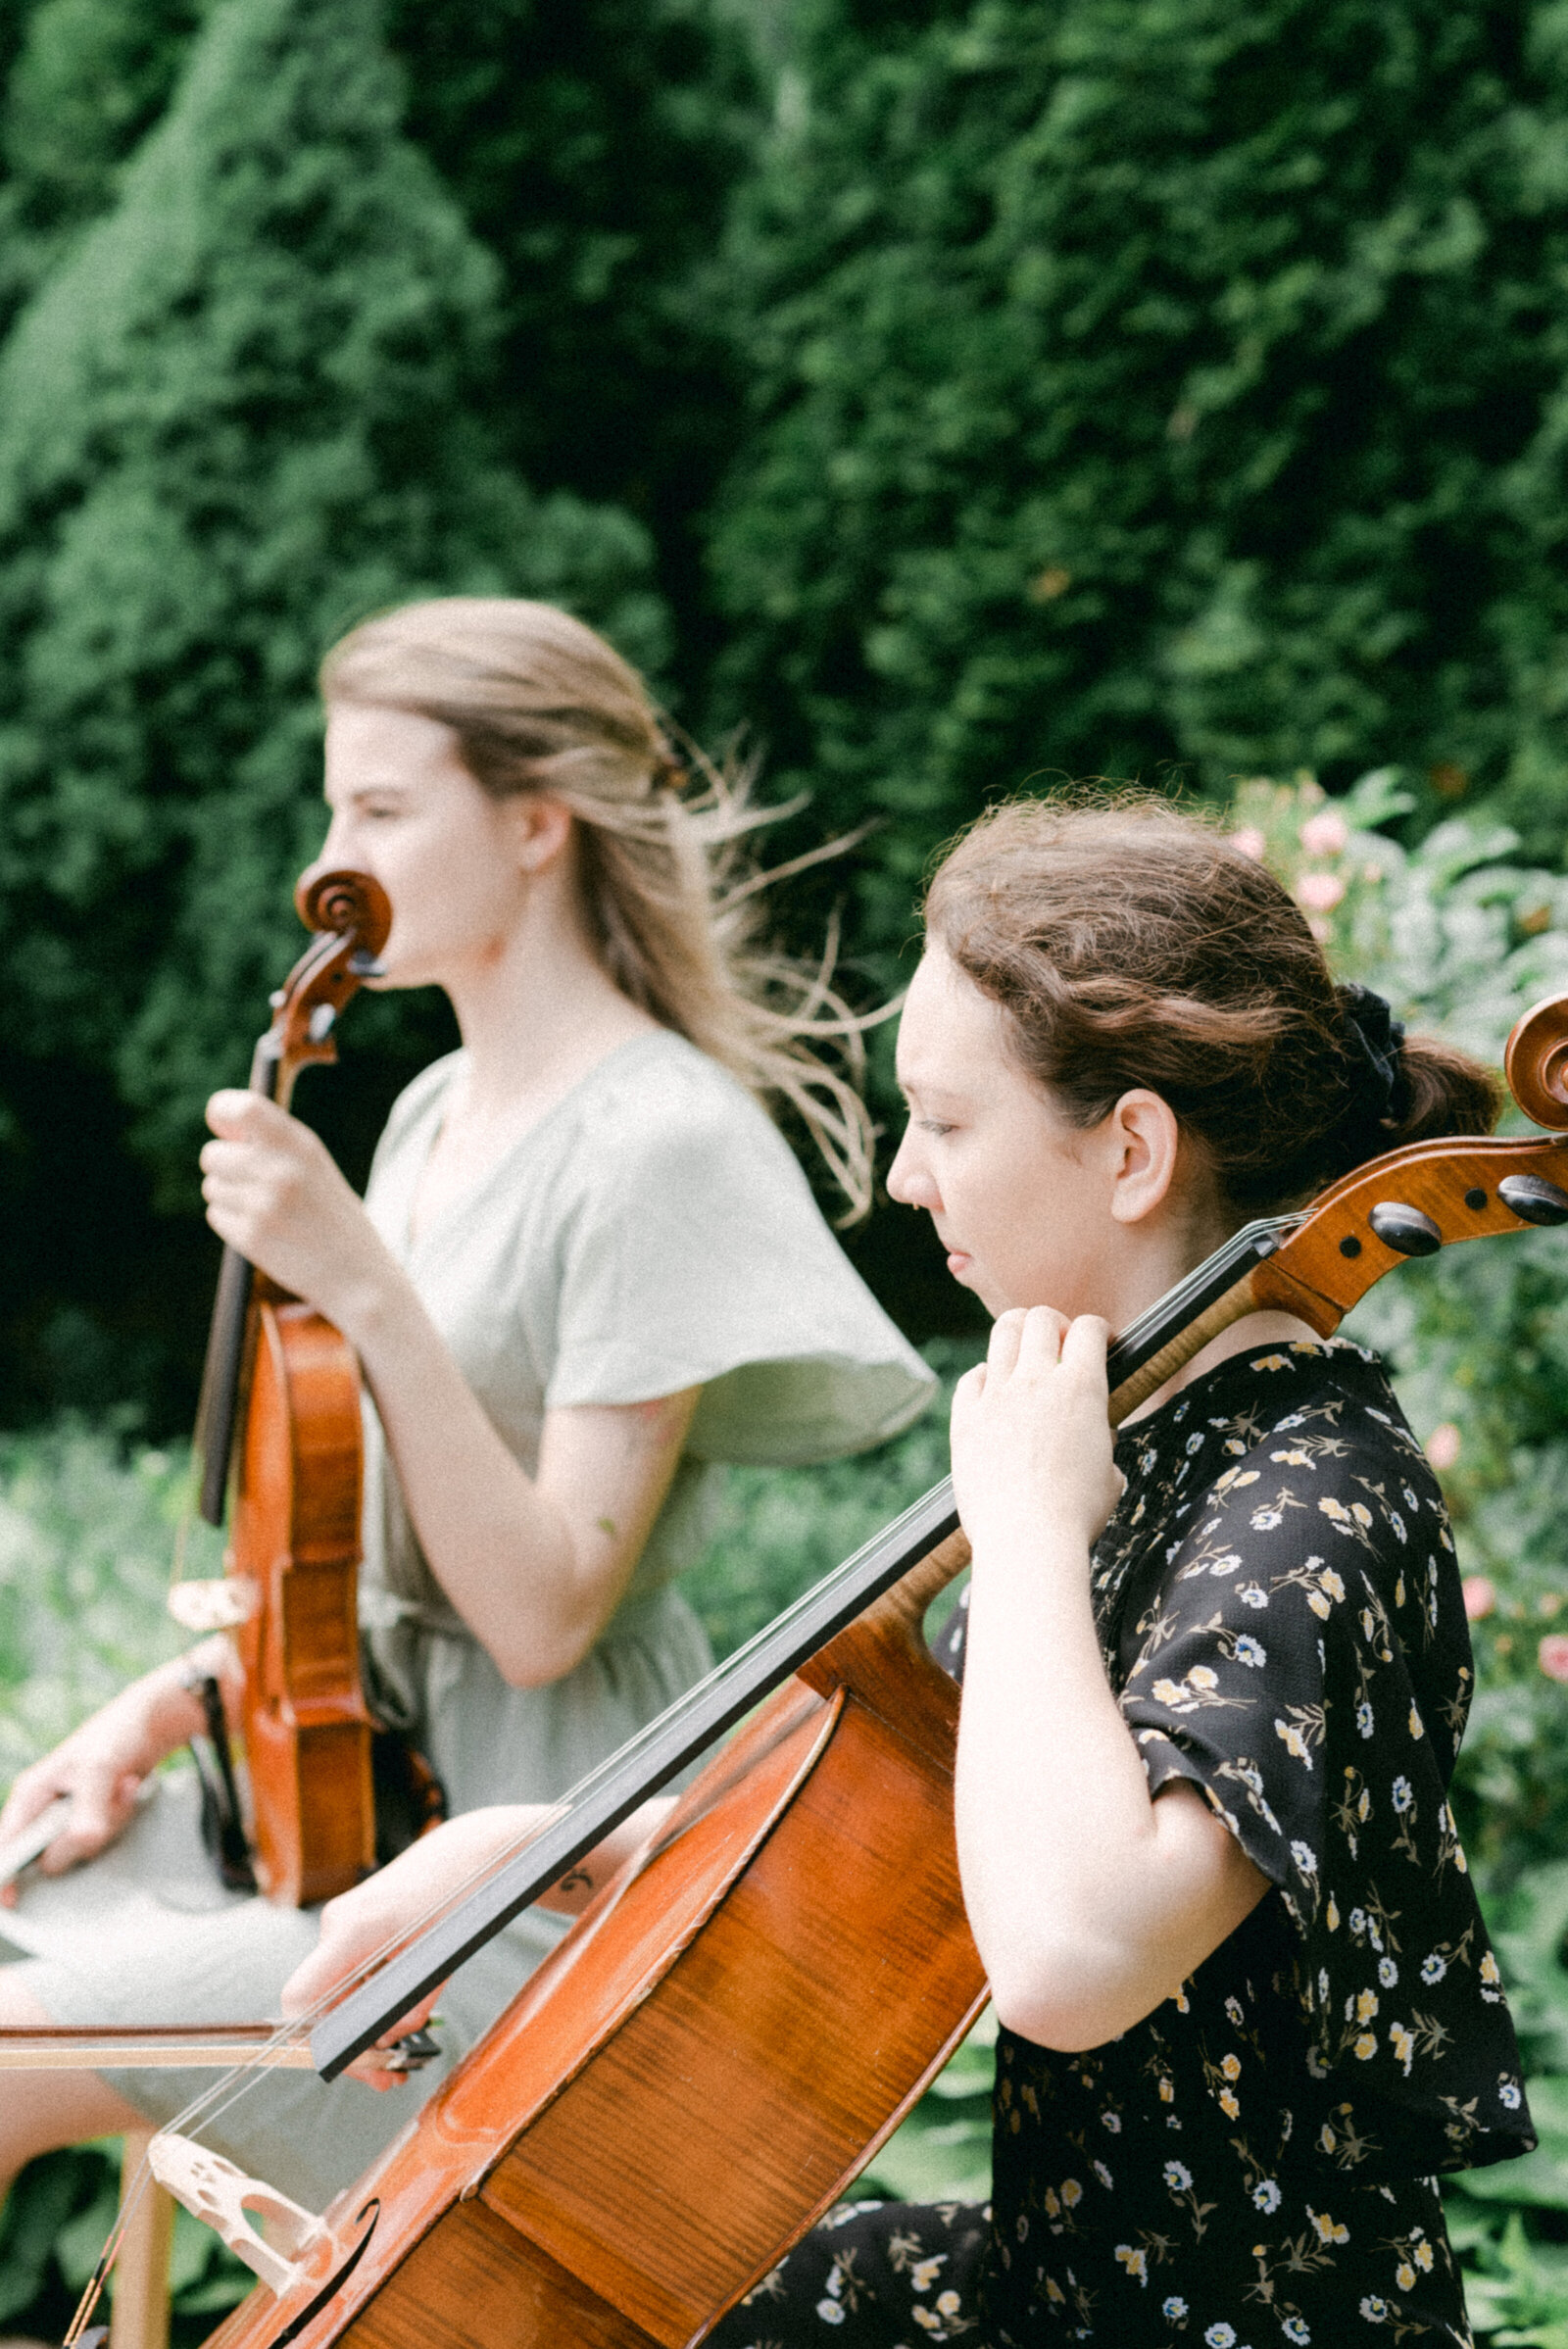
x: 139, y: 2310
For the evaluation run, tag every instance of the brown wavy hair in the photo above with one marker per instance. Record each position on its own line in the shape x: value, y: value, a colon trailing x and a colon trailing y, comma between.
x: 1130, y: 944
x: 540, y: 701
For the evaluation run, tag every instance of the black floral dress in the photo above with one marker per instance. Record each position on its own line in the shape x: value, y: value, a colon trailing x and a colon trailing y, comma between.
x: 1256, y: 2162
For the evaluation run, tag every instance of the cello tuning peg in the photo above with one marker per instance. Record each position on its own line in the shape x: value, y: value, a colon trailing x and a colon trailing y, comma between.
x: 1534, y: 1200
x: 322, y: 1019
x: 366, y: 967
x: 1404, y: 1229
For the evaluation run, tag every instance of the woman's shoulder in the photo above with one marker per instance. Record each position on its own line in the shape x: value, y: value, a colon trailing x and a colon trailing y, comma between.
x: 1316, y: 1406
x: 661, y: 1106
x: 1290, y: 1466
x: 663, y: 1077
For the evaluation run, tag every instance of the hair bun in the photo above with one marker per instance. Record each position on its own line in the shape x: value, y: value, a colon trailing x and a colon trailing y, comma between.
x: 1380, y: 1081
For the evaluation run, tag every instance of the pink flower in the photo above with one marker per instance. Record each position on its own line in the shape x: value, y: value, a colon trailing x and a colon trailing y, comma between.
x: 1321, y: 892
x: 1479, y: 1596
x: 1251, y: 842
x: 1553, y: 1655
x: 1325, y: 835
x: 1442, y: 1444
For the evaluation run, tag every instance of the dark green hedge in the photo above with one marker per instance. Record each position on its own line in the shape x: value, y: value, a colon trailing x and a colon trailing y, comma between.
x: 1153, y: 387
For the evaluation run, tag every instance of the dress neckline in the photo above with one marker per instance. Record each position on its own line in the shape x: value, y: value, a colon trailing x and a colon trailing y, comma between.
x: 1294, y: 1354
x: 466, y: 1200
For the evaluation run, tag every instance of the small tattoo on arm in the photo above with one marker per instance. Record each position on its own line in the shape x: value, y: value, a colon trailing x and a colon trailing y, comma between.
x: 606, y: 1525
x: 575, y: 1879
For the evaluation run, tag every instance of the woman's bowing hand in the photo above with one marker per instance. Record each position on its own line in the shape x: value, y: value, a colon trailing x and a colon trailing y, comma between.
x: 1031, y: 1437
x: 273, y: 1193
x: 423, y: 1882
x: 104, y: 1763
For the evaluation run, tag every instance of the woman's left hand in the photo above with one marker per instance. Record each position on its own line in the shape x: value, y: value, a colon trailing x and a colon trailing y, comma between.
x: 273, y: 1193
x: 1031, y: 1435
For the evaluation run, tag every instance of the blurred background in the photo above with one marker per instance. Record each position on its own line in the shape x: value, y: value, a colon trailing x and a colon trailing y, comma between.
x: 938, y: 398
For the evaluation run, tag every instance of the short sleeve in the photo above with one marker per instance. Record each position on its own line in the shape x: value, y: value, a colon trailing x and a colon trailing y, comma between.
x: 694, y: 1253
x: 1302, y: 1659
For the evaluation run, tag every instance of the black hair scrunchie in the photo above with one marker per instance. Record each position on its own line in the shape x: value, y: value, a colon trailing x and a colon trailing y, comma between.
x: 1379, y: 1088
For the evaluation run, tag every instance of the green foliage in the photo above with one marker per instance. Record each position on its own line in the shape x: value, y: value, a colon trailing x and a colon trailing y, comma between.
x: 592, y: 146
x: 89, y: 76
x: 1137, y: 384
x: 235, y: 418
x: 779, y: 1532
x: 88, y: 1539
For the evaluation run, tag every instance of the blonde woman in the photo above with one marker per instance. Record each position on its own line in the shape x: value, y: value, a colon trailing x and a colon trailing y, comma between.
x: 587, y: 1268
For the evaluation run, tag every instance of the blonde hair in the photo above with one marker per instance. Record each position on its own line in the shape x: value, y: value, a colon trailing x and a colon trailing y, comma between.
x: 539, y: 701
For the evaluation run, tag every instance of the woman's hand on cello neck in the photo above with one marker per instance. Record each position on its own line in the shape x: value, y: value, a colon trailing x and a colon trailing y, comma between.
x: 1031, y: 1436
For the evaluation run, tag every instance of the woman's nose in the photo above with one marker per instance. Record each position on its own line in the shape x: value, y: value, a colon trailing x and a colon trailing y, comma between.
x: 332, y: 853
x: 908, y: 1180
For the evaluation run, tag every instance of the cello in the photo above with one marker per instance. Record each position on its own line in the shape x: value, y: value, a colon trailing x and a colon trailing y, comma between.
x: 742, y: 2014
x: 279, y: 1425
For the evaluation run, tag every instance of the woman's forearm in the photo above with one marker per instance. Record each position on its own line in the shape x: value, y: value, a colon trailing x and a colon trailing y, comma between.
x: 533, y: 1578
x: 534, y: 1565
x: 1089, y: 1902
x: 500, y: 1550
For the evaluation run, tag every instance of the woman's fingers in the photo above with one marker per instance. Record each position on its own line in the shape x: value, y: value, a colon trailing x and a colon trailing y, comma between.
x: 1041, y: 1339
x: 1007, y: 1334
x: 1084, y: 1344
x: 237, y: 1115
x: 354, y: 1928
x: 32, y: 1793
x: 101, y: 1805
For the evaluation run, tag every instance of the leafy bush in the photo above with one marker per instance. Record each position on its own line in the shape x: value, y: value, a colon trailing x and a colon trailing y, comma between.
x: 1137, y: 384
x: 237, y: 416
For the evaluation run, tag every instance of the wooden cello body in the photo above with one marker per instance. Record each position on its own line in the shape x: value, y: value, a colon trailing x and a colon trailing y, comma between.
x: 280, y: 1442
x: 702, y: 2067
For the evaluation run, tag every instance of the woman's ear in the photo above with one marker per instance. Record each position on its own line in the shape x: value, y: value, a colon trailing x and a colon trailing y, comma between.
x: 541, y: 828
x: 1143, y: 1140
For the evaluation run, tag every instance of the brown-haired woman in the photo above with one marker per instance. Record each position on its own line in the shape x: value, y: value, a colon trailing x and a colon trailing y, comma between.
x: 587, y: 1268
x: 1215, y: 1672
